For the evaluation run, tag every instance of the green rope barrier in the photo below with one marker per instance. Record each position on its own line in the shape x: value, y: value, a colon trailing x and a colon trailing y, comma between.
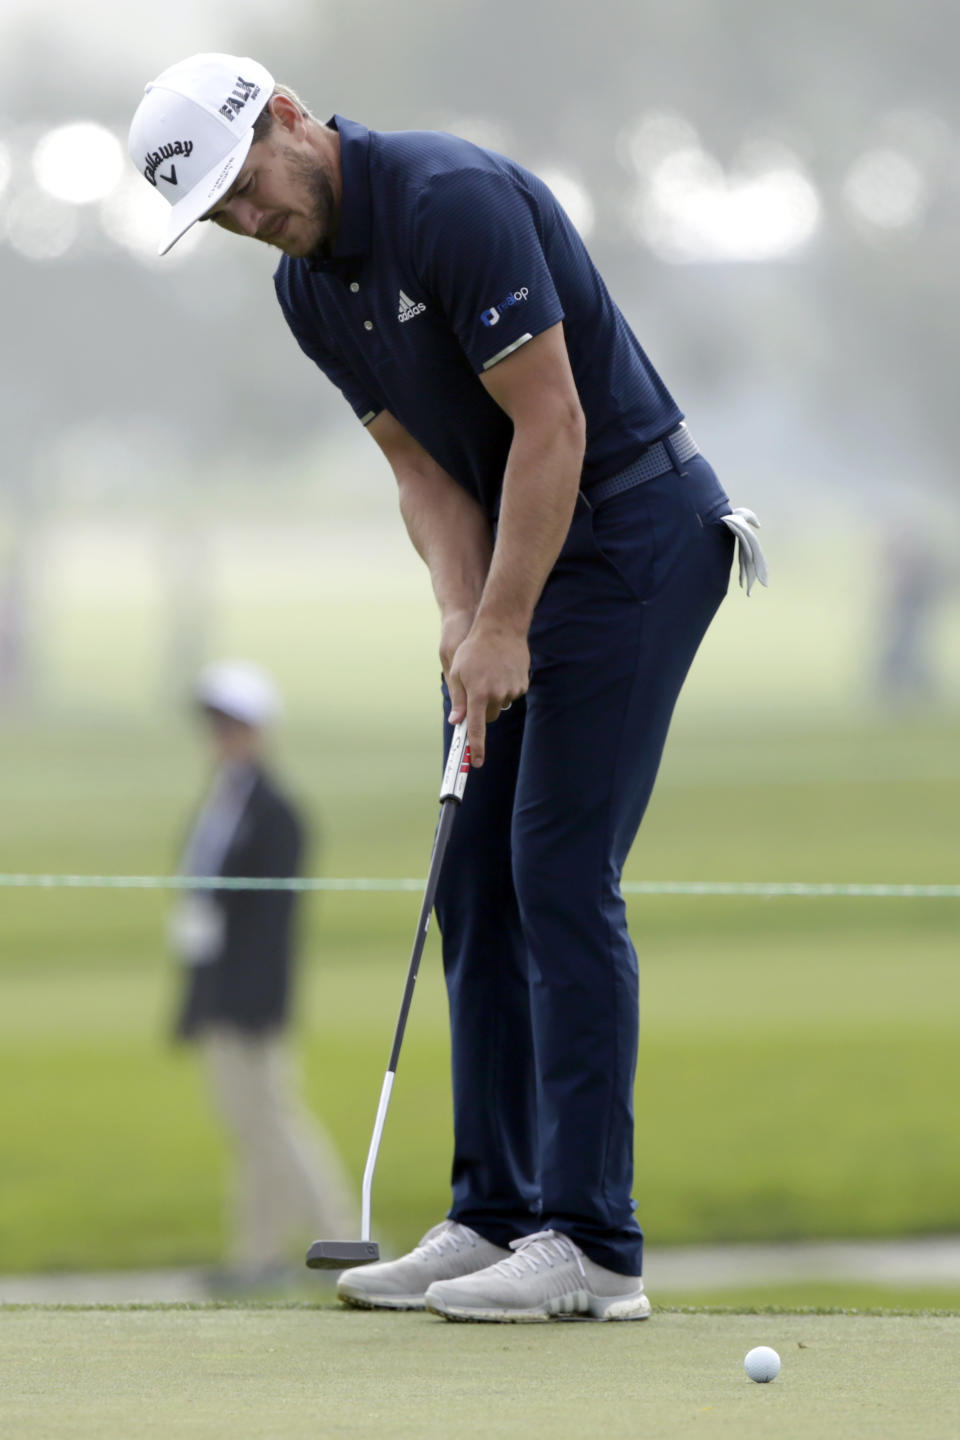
x: 771, y: 889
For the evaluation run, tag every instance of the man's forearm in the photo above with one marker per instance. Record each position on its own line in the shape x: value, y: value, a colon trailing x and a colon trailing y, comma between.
x: 539, y: 495
x: 450, y: 533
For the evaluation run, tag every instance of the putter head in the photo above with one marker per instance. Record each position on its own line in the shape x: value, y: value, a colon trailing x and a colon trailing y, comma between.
x: 342, y: 1254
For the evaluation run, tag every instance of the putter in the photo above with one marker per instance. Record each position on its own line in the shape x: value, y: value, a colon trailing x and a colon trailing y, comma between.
x: 339, y: 1254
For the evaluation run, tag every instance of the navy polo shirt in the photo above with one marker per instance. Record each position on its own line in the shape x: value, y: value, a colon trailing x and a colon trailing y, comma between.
x: 448, y: 258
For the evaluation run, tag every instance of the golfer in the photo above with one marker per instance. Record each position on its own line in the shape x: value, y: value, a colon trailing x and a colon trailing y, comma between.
x: 579, y: 545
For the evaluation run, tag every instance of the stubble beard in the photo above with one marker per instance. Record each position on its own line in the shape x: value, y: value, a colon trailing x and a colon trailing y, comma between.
x: 318, y: 187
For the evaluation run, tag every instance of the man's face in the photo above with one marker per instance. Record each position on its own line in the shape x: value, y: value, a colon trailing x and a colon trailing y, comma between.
x: 284, y: 196
x: 232, y: 740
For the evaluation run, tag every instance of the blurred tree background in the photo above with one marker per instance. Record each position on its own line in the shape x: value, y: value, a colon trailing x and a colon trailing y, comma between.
x: 831, y: 364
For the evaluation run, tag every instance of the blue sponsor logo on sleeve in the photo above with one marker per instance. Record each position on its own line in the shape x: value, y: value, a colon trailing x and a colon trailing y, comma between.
x: 517, y: 297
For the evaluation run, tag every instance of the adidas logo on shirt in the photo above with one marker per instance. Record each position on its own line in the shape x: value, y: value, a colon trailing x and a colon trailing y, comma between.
x: 409, y: 308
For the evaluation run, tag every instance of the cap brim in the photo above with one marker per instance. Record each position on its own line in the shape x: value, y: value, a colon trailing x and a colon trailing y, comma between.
x: 205, y: 193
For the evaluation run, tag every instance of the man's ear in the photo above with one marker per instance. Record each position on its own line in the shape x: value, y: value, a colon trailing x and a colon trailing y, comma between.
x: 285, y: 113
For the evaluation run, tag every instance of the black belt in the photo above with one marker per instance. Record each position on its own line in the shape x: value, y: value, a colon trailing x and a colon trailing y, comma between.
x: 657, y: 459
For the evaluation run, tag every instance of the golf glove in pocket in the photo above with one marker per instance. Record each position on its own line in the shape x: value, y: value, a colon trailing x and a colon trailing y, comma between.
x: 753, y: 563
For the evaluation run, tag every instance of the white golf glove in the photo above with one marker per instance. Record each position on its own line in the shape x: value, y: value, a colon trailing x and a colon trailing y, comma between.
x: 196, y: 929
x: 753, y: 563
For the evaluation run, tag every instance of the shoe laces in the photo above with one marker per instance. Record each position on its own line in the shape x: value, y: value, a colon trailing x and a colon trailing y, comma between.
x: 546, y: 1247
x: 447, y: 1237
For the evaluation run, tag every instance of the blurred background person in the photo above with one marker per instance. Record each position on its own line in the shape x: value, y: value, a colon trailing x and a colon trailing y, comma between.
x: 15, y: 658
x: 914, y: 589
x: 237, y: 948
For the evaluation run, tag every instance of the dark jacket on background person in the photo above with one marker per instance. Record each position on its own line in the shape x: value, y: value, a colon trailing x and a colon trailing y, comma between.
x: 247, y: 983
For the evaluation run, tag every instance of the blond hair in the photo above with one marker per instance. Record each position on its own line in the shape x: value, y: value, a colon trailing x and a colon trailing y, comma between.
x: 264, y: 121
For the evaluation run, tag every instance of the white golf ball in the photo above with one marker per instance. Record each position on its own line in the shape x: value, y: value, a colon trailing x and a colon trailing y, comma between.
x: 762, y: 1364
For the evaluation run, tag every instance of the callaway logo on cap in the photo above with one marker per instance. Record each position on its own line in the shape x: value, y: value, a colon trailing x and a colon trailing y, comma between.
x: 193, y: 129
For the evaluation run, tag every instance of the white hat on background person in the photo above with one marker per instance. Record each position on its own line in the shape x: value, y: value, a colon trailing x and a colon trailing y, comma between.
x: 193, y: 130
x: 240, y: 690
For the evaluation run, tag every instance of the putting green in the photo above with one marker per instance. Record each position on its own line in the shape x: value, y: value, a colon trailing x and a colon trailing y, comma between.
x: 289, y: 1372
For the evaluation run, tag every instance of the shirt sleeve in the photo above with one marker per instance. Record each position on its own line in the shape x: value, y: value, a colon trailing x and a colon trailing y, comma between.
x: 484, y: 262
x: 364, y: 405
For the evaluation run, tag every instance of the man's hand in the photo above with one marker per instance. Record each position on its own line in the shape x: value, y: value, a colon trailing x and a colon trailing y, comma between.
x: 490, y: 670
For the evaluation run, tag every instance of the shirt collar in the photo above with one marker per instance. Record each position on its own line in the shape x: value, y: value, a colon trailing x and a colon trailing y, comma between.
x: 353, y: 234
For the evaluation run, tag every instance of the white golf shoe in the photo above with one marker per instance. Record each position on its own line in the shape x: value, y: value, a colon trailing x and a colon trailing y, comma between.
x: 446, y: 1252
x: 545, y: 1278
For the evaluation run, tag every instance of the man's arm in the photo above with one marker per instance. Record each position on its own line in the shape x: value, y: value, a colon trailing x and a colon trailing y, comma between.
x: 536, y: 388
x: 448, y: 529
x: 487, y: 594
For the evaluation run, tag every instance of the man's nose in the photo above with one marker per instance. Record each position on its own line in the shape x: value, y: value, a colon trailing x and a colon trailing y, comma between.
x: 245, y: 215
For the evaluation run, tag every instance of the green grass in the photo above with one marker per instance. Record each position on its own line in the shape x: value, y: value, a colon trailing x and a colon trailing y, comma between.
x: 211, y: 1372
x: 797, y: 1134
x: 813, y: 1296
x: 798, y: 1063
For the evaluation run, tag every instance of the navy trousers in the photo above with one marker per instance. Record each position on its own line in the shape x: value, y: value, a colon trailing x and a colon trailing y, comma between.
x: 541, y: 973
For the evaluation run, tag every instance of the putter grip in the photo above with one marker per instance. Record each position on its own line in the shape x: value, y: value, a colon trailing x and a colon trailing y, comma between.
x: 458, y: 765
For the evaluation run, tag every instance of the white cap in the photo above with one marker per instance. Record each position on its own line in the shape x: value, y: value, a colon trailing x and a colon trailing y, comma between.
x: 193, y: 129
x: 240, y: 690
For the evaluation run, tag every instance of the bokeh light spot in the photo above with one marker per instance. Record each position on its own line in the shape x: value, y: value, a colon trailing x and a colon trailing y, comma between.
x: 644, y: 144
x: 39, y: 227
x: 690, y: 210
x: 78, y: 163
x: 574, y: 198
x: 887, y: 189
